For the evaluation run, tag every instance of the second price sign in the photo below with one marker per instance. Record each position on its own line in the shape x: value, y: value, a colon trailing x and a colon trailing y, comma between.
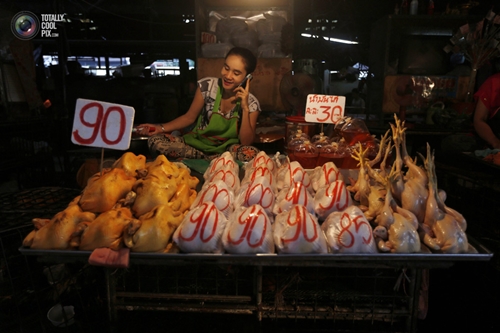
x: 324, y: 108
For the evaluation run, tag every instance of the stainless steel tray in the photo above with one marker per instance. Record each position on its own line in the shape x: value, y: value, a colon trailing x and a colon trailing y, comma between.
x: 477, y: 252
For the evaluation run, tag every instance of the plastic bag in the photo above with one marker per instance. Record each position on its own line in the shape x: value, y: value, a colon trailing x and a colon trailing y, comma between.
x: 297, y: 231
x: 249, y: 230
x: 349, y: 232
x: 201, y: 230
x: 259, y: 191
x: 226, y: 159
x: 219, y: 193
x: 297, y: 194
x: 262, y: 158
x: 226, y: 27
x: 324, y: 175
x: 333, y: 197
x: 291, y: 173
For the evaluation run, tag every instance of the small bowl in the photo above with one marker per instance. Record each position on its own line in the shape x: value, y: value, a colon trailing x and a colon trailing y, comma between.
x: 61, y: 316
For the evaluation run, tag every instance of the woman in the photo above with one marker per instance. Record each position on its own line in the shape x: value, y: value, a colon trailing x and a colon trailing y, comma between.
x: 224, y: 116
x: 486, y: 119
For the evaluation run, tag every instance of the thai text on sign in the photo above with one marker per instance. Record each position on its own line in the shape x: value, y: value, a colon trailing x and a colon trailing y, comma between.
x: 101, y: 124
x: 324, y: 108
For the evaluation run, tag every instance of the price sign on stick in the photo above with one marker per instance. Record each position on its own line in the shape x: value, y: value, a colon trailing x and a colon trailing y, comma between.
x: 101, y: 124
x: 324, y: 108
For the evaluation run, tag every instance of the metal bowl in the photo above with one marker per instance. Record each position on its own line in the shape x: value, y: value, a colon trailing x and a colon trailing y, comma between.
x: 139, y: 145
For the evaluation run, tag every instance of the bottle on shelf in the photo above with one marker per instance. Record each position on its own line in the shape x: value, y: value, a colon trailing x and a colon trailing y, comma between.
x: 414, y: 7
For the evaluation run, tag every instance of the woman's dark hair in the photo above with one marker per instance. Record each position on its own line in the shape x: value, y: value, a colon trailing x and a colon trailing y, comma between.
x: 248, y: 57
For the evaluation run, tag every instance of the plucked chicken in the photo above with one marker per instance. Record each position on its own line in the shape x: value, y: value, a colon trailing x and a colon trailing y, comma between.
x: 333, y: 197
x: 219, y: 193
x: 447, y: 235
x: 153, y: 231
x: 131, y: 163
x: 104, y: 189
x: 105, y: 231
x: 201, y: 230
x: 325, y: 175
x: 249, y: 231
x: 153, y: 191
x: 296, y: 194
x: 348, y: 231
x: 224, y: 161
x: 257, y: 192
x: 57, y: 233
x: 397, y: 231
x: 414, y: 193
x: 298, y: 231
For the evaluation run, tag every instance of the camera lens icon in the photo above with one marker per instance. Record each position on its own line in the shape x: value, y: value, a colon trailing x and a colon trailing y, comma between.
x: 25, y: 25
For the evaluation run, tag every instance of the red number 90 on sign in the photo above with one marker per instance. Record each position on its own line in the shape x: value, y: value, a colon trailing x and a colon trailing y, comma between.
x: 101, y: 124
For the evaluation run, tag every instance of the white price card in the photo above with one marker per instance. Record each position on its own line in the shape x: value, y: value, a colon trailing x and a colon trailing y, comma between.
x: 101, y: 124
x: 324, y: 108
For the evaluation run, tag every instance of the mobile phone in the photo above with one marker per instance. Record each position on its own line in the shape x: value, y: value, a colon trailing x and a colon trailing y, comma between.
x: 244, y: 82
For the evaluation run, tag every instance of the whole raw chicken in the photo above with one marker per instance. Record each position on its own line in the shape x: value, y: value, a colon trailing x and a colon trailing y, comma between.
x: 105, y: 231
x: 447, y: 235
x: 259, y: 192
x: 349, y: 232
x: 104, y: 189
x: 261, y: 170
x: 161, y: 167
x: 219, y: 193
x: 297, y: 231
x: 331, y: 198
x: 262, y: 158
x: 153, y: 231
x: 183, y: 198
x: 290, y: 173
x: 296, y: 194
x: 201, y: 230
x: 414, y: 194
x: 131, y: 163
x: 249, y: 231
x: 153, y: 191
x: 325, y: 175
x: 224, y: 161
x: 228, y: 175
x: 398, y: 230
x: 57, y: 233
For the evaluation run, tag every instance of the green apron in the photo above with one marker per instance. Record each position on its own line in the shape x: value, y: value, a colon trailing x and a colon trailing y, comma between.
x: 218, y: 134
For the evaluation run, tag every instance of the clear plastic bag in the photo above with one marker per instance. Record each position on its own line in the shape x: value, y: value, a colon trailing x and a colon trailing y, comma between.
x: 333, y: 197
x: 201, y: 230
x: 296, y: 194
x: 219, y: 193
x: 249, y: 230
x: 349, y: 231
x: 297, y: 231
x: 324, y: 175
x: 258, y: 191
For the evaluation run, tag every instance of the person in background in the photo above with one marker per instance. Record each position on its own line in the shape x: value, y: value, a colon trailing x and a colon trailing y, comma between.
x: 486, y: 119
x: 357, y: 101
x: 222, y: 116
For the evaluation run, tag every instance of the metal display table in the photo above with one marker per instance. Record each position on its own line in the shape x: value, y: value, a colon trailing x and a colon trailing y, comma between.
x: 357, y: 291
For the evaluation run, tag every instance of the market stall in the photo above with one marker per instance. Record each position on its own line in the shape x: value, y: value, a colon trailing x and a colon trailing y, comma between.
x: 331, y: 264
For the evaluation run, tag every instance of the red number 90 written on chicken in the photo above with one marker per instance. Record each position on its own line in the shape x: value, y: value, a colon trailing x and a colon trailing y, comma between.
x: 100, y: 124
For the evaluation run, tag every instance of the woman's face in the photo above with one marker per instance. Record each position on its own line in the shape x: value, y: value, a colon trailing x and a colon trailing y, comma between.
x: 233, y: 72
